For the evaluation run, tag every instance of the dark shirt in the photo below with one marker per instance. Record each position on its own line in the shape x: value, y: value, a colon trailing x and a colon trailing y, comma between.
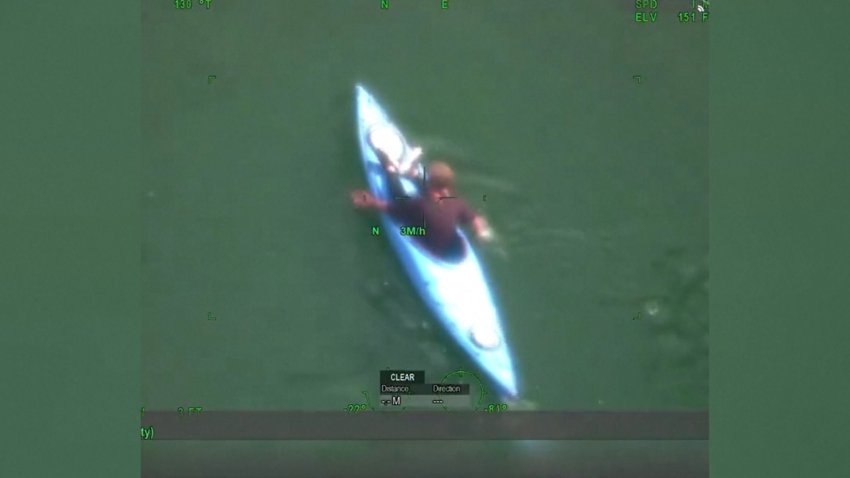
x: 439, y: 218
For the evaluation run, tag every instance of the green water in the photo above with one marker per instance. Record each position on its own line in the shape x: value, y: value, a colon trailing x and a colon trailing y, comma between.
x: 596, y: 185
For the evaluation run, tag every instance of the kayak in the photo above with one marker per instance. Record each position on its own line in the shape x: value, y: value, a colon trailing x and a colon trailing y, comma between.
x: 454, y: 288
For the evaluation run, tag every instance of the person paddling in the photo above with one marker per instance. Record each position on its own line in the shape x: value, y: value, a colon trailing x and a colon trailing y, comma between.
x: 438, y: 207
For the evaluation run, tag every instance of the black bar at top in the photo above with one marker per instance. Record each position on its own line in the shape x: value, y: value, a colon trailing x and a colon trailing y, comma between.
x: 437, y: 425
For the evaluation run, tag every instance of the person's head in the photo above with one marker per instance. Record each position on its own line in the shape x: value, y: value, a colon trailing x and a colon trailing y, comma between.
x: 440, y: 176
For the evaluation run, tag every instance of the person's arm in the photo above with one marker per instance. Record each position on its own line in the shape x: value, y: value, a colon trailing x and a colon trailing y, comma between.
x: 477, y: 221
x: 365, y: 200
x: 482, y: 228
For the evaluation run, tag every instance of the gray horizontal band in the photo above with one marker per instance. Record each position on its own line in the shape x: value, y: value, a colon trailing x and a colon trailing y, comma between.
x: 416, y: 425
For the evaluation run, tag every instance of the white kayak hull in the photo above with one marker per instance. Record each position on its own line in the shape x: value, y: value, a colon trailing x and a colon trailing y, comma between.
x: 457, y: 291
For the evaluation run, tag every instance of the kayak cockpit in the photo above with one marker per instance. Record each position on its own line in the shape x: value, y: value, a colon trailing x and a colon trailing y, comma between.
x: 452, y: 255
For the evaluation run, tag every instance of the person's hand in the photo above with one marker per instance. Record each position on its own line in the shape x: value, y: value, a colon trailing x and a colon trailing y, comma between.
x: 485, y: 234
x: 362, y: 198
x: 482, y: 229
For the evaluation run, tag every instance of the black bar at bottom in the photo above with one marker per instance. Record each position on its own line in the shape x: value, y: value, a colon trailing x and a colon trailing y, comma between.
x: 410, y: 425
